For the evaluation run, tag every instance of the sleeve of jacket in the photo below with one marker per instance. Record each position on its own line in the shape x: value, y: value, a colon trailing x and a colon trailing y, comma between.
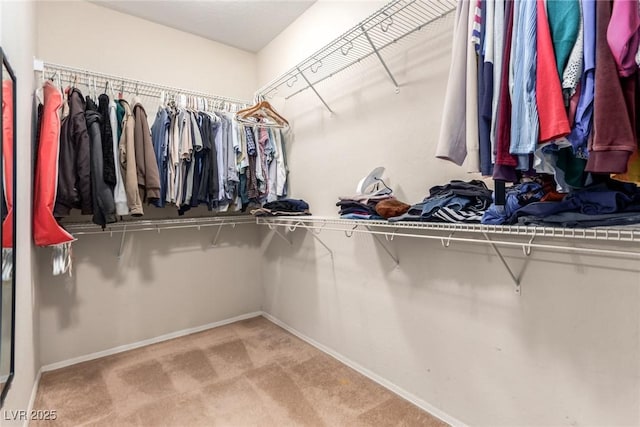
x: 148, y: 168
x: 83, y: 161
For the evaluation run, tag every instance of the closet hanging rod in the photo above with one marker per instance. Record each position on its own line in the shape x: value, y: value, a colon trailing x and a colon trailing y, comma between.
x: 90, y: 78
x: 157, y: 225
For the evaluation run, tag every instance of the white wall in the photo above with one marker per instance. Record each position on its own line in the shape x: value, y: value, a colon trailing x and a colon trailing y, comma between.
x: 163, y: 283
x: 283, y: 52
x: 87, y: 36
x: 18, y: 39
x: 445, y: 325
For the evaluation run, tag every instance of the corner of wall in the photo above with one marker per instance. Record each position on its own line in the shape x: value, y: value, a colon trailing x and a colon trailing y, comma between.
x: 19, y: 42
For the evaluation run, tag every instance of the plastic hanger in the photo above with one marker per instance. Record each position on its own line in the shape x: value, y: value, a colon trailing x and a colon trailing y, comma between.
x: 374, y: 178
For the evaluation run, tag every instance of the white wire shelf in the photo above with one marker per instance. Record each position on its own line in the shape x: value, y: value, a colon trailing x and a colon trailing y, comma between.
x: 125, y: 227
x: 615, y: 241
x: 613, y: 234
x: 382, y: 29
x: 78, y: 229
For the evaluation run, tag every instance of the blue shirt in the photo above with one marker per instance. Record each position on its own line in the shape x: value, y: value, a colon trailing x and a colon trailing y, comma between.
x: 524, y: 115
x: 584, y: 112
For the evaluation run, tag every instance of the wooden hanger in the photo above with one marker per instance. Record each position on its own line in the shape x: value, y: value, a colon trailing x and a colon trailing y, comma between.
x: 261, y: 110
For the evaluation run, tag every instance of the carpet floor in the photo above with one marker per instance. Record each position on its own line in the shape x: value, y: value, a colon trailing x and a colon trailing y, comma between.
x: 249, y: 373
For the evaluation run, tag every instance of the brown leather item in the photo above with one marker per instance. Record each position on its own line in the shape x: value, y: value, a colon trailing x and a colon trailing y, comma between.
x: 391, y: 207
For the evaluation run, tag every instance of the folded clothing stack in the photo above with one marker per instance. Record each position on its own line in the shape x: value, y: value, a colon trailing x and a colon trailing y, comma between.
x: 290, y: 207
x: 370, y: 207
x: 457, y: 201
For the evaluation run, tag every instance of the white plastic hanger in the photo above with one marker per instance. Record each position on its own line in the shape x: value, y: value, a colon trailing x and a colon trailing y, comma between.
x: 373, y: 179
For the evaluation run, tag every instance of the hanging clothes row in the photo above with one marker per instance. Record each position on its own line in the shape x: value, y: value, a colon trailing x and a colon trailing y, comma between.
x: 212, y: 159
x: 99, y: 155
x: 545, y: 86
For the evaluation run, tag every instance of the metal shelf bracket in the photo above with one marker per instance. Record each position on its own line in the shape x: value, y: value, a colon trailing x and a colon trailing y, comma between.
x: 214, y: 242
x: 384, y: 64
x: 314, y: 89
x: 516, y: 279
x: 279, y: 234
x: 124, y: 233
x: 316, y: 236
x: 386, y: 249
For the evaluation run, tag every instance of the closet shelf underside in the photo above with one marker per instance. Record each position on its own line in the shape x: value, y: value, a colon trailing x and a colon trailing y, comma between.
x: 157, y: 225
x: 382, y: 29
x: 563, y: 239
x: 618, y: 240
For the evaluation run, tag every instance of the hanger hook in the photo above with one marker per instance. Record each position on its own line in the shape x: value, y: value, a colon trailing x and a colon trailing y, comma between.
x: 527, y: 248
x: 446, y: 243
x: 391, y: 236
x: 349, y: 233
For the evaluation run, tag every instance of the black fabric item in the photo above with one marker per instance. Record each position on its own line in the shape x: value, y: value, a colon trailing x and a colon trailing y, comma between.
x: 287, y: 205
x: 214, y: 189
x: 350, y: 206
x: 252, y: 179
x: 38, y: 127
x: 108, y: 160
x: 197, y: 167
x: 204, y: 123
x: 472, y: 188
x: 74, y: 164
x: 104, y: 207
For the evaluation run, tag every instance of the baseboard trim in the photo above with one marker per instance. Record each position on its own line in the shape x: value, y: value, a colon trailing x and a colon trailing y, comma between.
x: 369, y: 374
x: 355, y: 366
x: 161, y: 338
x: 32, y: 398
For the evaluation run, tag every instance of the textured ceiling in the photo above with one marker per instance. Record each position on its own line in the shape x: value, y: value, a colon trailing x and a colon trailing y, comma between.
x: 248, y: 25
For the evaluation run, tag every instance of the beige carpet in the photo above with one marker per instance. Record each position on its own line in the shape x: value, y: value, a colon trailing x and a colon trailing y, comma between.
x: 249, y: 373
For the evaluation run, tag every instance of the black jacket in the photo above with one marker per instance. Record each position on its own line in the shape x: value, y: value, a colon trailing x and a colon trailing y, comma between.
x: 104, y: 207
x: 74, y: 170
x: 107, y: 141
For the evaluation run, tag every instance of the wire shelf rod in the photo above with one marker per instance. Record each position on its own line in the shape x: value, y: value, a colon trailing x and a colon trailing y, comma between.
x: 388, y: 25
x: 86, y: 76
x: 631, y: 234
x: 151, y: 225
x: 344, y: 67
x: 478, y: 241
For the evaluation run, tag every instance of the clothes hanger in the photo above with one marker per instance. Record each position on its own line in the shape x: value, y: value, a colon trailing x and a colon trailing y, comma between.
x: 373, y: 178
x: 260, y: 111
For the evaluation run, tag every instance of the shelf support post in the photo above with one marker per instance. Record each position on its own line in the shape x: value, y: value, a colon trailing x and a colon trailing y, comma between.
x: 384, y: 64
x: 314, y: 89
x: 386, y: 249
x: 124, y: 233
x: 516, y: 279
x: 279, y: 234
x: 315, y: 236
x: 214, y: 242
